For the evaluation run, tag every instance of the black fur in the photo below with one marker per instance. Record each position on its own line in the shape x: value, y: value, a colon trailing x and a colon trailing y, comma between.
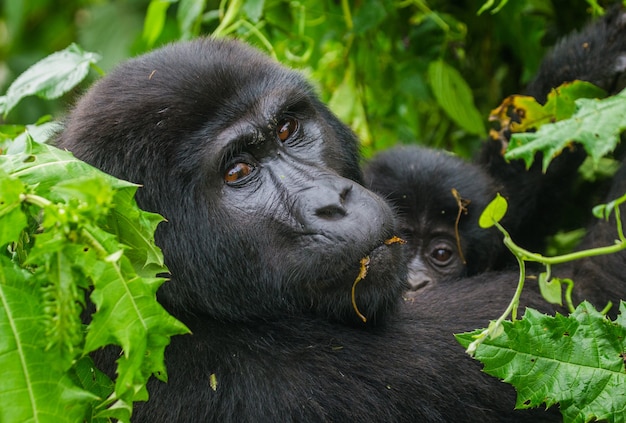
x: 418, y: 182
x: 264, y: 239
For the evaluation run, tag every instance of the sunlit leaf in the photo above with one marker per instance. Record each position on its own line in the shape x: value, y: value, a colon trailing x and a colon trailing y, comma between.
x: 494, y: 212
x: 89, y: 236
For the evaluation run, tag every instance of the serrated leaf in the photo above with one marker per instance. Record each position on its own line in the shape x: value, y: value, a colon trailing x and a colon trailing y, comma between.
x: 135, y: 228
x: 90, y: 378
x: 51, y: 77
x: 44, y: 166
x: 596, y: 125
x: 561, y: 101
x: 494, y: 212
x: 455, y: 97
x: 33, y: 386
x: 575, y: 361
x: 127, y: 314
x: 89, y: 233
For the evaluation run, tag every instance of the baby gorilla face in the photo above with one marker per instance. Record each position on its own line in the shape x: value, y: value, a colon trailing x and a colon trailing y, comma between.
x: 438, y: 198
x: 433, y: 256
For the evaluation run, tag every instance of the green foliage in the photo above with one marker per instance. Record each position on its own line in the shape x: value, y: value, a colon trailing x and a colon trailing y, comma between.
x: 494, y: 212
x: 396, y: 71
x: 537, y: 349
x: 69, y: 229
x: 51, y: 77
x: 575, y: 361
x: 455, y: 97
x: 596, y: 125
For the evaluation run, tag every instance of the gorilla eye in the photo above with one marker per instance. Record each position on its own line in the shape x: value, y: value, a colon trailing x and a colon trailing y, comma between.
x: 286, y: 128
x: 238, y: 171
x: 441, y: 255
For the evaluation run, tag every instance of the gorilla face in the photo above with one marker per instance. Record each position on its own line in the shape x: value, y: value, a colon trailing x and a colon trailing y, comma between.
x: 419, y: 183
x: 258, y: 182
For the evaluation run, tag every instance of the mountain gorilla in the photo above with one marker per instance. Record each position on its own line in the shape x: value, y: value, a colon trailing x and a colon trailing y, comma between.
x: 438, y: 198
x: 444, y: 245
x: 267, y: 228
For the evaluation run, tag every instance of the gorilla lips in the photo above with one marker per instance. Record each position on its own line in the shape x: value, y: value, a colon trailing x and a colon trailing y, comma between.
x: 365, y: 262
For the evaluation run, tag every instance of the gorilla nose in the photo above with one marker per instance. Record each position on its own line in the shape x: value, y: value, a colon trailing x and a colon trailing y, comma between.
x: 417, y: 283
x: 339, y: 206
x: 335, y: 210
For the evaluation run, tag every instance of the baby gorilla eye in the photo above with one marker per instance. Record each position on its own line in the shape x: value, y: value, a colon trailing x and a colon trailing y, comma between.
x: 237, y: 171
x: 286, y: 128
x: 441, y: 255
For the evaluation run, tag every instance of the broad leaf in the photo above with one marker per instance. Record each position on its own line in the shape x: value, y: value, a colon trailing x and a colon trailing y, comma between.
x: 494, y: 212
x: 51, y: 77
x: 455, y: 97
x: 575, y: 361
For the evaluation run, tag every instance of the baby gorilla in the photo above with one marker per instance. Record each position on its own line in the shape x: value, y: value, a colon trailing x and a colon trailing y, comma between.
x: 438, y: 198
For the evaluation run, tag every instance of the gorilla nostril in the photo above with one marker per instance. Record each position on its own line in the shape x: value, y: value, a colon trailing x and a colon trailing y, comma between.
x: 331, y: 212
x: 344, y: 194
x: 416, y: 285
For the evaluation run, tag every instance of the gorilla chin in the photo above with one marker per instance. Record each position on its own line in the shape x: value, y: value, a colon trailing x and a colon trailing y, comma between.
x: 371, y: 292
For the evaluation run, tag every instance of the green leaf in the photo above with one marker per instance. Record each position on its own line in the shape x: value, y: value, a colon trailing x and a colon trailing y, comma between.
x: 90, y: 378
x: 561, y: 101
x: 494, y: 212
x: 455, y: 97
x: 135, y: 228
x: 44, y: 166
x: 12, y: 218
x: 189, y: 16
x: 596, y: 125
x: 88, y: 234
x: 254, y: 9
x: 128, y: 315
x: 550, y: 289
x: 51, y: 77
x: 369, y: 15
x: 575, y: 361
x: 155, y: 20
x: 34, y: 385
x: 603, y: 211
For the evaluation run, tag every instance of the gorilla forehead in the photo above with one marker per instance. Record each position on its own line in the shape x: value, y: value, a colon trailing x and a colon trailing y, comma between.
x: 173, y: 102
x: 407, y: 174
x: 206, y: 77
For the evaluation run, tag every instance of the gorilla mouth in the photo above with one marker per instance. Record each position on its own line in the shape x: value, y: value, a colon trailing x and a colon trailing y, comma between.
x: 365, y: 262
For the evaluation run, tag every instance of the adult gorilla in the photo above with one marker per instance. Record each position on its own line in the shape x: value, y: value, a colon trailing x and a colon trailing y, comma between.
x: 266, y: 228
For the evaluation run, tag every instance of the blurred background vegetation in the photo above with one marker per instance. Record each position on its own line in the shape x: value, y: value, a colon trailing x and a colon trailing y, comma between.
x: 398, y: 71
